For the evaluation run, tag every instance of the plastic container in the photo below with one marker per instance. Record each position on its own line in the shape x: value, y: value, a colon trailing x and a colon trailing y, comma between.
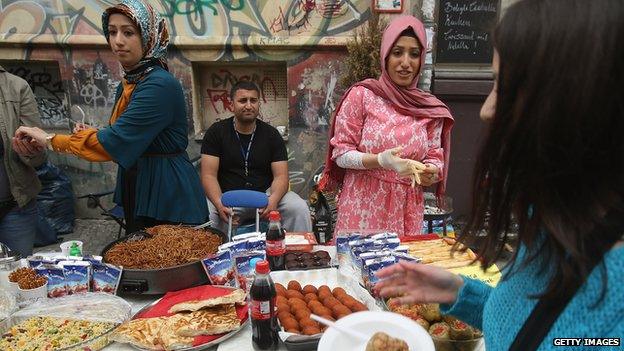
x: 13, y: 288
x: 8, y: 304
x: 26, y: 296
x: 89, y: 306
x: 66, y: 246
x: 457, y: 345
x: 300, y: 241
x: 9, y: 261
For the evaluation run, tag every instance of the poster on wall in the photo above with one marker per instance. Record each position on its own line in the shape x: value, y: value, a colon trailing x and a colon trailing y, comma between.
x: 464, y: 31
x: 388, y: 5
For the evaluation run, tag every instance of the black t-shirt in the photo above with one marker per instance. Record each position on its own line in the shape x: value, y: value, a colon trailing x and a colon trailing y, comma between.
x: 267, y: 146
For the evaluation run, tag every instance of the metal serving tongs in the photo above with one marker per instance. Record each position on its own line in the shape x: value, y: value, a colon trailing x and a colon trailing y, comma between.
x: 77, y: 113
x: 138, y: 236
x: 201, y: 226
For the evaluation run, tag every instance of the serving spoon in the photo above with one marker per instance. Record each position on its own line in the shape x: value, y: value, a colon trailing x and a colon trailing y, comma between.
x: 360, y: 337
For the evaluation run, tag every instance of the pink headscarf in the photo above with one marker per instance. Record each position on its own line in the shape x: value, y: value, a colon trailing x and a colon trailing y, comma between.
x: 409, y: 101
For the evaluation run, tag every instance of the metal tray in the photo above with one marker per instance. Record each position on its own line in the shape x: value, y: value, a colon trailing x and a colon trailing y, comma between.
x: 199, y: 347
x: 330, y: 277
x: 157, y: 281
x: 302, y: 342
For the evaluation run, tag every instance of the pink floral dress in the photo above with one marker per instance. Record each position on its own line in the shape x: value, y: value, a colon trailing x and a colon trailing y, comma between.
x: 379, y: 198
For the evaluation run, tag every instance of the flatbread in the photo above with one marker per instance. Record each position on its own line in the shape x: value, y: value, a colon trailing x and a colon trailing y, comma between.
x: 152, y: 334
x: 235, y: 297
x: 438, y: 253
x: 169, y: 337
x: 208, y: 321
x: 177, y: 331
x: 142, y: 332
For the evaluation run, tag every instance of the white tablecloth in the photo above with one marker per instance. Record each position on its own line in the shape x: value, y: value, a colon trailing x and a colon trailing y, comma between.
x: 241, y: 341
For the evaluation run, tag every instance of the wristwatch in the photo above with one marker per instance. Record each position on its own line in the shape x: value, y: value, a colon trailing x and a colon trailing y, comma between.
x: 49, y: 141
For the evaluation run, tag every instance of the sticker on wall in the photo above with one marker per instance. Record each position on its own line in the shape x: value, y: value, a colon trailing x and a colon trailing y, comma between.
x: 388, y: 5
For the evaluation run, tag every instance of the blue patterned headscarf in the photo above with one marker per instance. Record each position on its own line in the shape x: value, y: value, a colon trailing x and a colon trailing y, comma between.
x: 154, y: 34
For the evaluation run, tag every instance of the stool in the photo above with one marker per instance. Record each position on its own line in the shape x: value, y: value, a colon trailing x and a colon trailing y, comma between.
x: 433, y: 211
x: 430, y: 218
x: 245, y: 199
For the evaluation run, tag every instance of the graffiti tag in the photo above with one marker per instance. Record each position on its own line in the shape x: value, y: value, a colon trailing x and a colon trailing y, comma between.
x: 195, y: 7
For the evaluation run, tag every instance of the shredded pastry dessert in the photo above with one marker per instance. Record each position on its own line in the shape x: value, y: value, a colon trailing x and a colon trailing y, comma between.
x: 169, y: 246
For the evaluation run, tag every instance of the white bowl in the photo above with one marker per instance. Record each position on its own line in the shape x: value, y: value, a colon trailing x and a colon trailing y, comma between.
x: 33, y: 294
x: 66, y: 246
x: 369, y: 322
x: 12, y: 288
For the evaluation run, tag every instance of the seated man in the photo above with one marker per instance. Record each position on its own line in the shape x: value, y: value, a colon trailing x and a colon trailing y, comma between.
x: 243, y: 152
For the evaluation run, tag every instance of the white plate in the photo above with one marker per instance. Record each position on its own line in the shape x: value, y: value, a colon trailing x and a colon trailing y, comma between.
x: 369, y: 323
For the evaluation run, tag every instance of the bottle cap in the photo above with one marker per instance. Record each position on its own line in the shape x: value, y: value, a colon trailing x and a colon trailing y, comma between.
x: 262, y: 267
x: 253, y: 261
x: 274, y: 216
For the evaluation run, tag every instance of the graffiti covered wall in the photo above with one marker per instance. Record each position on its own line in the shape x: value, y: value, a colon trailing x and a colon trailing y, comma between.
x: 57, y: 45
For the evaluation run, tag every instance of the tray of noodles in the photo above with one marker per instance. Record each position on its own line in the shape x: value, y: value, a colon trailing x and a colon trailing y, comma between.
x: 162, y: 258
x: 187, y: 320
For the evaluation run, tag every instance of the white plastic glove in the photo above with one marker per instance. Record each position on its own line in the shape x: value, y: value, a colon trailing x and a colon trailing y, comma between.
x: 388, y: 159
x: 416, y: 170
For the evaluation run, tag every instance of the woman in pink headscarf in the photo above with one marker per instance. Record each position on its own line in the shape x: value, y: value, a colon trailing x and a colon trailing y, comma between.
x: 382, y: 126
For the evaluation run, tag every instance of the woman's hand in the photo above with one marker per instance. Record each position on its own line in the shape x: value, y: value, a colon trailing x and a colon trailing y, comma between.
x: 388, y: 159
x: 430, y: 175
x: 37, y: 135
x: 413, y: 282
x: 79, y: 127
x: 415, y: 172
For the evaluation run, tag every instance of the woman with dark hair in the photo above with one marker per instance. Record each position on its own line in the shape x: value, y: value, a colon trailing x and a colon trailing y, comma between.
x: 147, y: 135
x: 556, y: 116
x: 382, y: 126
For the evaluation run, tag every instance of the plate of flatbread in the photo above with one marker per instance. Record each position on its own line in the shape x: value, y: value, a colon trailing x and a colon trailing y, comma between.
x: 438, y: 252
x: 196, y: 323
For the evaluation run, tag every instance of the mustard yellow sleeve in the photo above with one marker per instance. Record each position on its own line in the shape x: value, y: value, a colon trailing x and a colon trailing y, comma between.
x: 83, y: 144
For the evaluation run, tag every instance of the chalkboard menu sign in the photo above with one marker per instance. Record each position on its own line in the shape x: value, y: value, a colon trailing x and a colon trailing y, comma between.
x: 464, y: 31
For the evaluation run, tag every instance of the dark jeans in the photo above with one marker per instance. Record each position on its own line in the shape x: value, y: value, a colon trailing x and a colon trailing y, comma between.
x: 18, y: 228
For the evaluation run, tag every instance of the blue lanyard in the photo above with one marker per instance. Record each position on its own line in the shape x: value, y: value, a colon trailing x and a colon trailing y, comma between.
x: 244, y: 153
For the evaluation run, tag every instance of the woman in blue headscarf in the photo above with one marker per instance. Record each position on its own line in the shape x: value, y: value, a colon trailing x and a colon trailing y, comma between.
x: 147, y: 132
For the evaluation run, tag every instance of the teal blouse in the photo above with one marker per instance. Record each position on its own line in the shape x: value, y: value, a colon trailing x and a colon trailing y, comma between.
x: 155, y: 122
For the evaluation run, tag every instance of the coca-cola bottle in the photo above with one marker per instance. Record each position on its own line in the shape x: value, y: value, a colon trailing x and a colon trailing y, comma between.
x: 275, y: 243
x: 262, y: 296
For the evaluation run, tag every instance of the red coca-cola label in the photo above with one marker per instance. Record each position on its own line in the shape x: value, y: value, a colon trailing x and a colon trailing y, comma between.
x: 262, y: 310
x: 275, y: 247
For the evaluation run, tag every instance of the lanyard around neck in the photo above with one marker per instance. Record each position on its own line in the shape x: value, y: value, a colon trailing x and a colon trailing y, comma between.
x: 244, y: 153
